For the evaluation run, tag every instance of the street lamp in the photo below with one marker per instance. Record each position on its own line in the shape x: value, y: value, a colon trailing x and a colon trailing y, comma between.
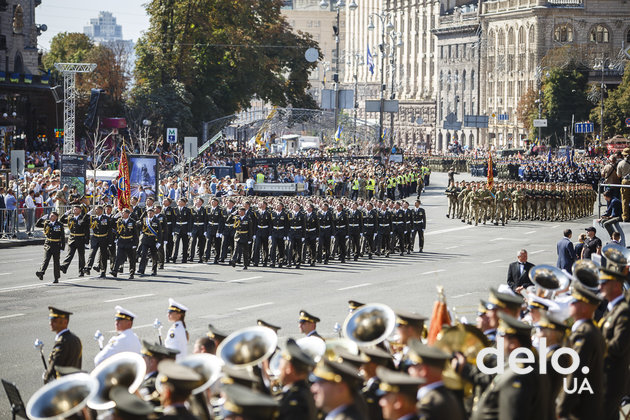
x: 386, y: 25
x: 396, y: 38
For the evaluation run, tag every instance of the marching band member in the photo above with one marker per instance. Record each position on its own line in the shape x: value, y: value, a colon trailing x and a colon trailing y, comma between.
x: 125, y: 340
x: 177, y: 336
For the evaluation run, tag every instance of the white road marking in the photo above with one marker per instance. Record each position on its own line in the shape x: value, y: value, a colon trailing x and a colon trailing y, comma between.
x: 452, y: 247
x: 16, y: 261
x: 44, y: 284
x: 537, y: 252
x: 437, y: 232
x: 254, y: 306
x: 530, y: 232
x: 5, y: 274
x: 490, y: 262
x: 355, y: 286
x: 434, y: 271
x: 127, y: 298
x: 11, y: 316
x: 554, y: 226
x: 245, y: 279
x: 462, y: 295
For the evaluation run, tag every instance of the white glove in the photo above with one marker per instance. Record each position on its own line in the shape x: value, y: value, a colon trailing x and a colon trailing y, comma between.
x: 269, y: 237
x: 249, y: 243
x: 165, y: 242
x: 116, y: 241
x: 218, y: 235
x: 361, y: 235
x: 158, y: 245
x: 286, y: 238
x: 189, y: 233
x: 347, y: 236
x: 302, y: 239
x: 133, y: 247
x: 205, y: 234
x: 253, y: 237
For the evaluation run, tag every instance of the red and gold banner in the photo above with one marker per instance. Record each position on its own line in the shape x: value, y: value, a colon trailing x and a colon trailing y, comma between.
x: 124, y: 187
x: 490, y: 172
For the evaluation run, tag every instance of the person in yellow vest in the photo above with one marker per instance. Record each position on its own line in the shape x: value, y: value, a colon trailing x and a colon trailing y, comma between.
x: 400, y: 181
x: 355, y: 189
x: 391, y: 187
x: 370, y: 187
x: 260, y: 178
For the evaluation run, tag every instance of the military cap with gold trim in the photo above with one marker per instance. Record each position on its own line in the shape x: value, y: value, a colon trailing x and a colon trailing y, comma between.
x: 129, y: 404
x: 355, y: 360
x: 292, y: 352
x: 504, y: 300
x: 122, y: 313
x: 377, y: 355
x: 413, y: 319
x: 353, y: 304
x: 581, y: 293
x: 337, y: 372
x: 262, y: 323
x: 58, y: 313
x: 181, y: 377
x: 216, y: 334
x: 611, y: 275
x: 420, y: 353
x: 550, y: 322
x: 398, y: 382
x: 174, y: 306
x: 536, y: 302
x: 243, y: 377
x: 158, y: 351
x: 508, y: 325
x: 249, y: 404
x: 305, y: 316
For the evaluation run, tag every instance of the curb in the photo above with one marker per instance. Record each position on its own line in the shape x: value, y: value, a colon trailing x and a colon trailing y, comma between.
x: 21, y: 242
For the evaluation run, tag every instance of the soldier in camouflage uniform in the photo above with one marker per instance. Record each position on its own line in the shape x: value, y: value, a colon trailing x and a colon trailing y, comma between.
x: 502, y: 200
x: 451, y: 192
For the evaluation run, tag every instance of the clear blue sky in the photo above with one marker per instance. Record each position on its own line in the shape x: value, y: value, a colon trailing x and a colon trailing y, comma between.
x: 73, y: 15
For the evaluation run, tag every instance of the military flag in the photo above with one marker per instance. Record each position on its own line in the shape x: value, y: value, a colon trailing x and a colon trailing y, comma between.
x: 490, y: 172
x: 124, y: 187
x: 370, y: 60
x: 439, y: 317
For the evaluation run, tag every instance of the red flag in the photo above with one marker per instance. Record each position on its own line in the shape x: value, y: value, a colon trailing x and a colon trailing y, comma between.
x: 490, y: 174
x: 439, y: 317
x: 124, y: 187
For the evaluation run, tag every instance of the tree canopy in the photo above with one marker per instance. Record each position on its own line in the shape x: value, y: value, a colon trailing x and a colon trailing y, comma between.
x: 616, y: 108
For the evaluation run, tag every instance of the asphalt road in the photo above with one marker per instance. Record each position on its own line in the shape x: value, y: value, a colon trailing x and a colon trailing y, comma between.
x: 465, y: 259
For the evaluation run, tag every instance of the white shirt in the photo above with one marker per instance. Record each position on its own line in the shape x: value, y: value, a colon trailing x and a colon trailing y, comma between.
x: 126, y: 340
x: 422, y: 392
x: 29, y: 202
x: 577, y: 323
x: 176, y: 339
x: 59, y: 334
x: 614, y: 302
x: 334, y: 412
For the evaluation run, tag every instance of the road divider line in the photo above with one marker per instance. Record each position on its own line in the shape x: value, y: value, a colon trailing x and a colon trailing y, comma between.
x: 462, y: 295
x: 530, y: 232
x: 244, y: 308
x: 5, y: 274
x: 127, y: 298
x: 11, y: 316
x: 434, y: 271
x: 245, y: 279
x: 356, y: 286
x: 452, y: 247
x: 44, y: 284
x: 490, y: 262
x: 16, y: 261
x: 537, y: 252
x: 437, y: 232
x: 554, y: 226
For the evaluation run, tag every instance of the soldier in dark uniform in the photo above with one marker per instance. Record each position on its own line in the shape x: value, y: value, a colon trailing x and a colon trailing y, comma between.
x: 296, y: 402
x: 101, y: 227
x: 263, y: 234
x: 151, y: 240
x: 355, y: 229
x: 419, y: 224
x: 67, y: 350
x: 383, y: 236
x: 311, y: 235
x: 169, y: 215
x: 280, y: 228
x: 128, y: 406
x: 587, y: 340
x: 399, y: 220
x: 136, y: 210
x: 399, y: 394
x: 376, y: 359
x: 370, y: 227
x: 213, y: 236
x: 243, y: 233
x: 177, y: 384
x: 325, y: 233
x: 340, y: 219
x: 308, y: 324
x: 615, y: 327
x: 334, y: 390
x: 199, y: 221
x: 408, y: 226
x: 111, y: 238
x: 162, y: 241
x: 127, y: 241
x: 296, y: 236
x: 78, y: 225
x: 54, y: 243
x: 182, y: 229
x: 153, y: 354
x: 243, y: 403
x: 227, y: 229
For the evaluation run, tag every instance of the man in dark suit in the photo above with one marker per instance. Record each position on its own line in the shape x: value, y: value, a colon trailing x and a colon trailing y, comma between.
x: 566, y: 252
x: 67, y: 350
x: 518, y: 272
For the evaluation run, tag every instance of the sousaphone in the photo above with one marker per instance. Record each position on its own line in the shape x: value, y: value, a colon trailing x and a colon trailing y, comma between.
x: 586, y: 272
x: 125, y: 369
x: 207, y: 365
x: 370, y: 324
x: 248, y: 347
x: 549, y: 280
x: 617, y: 257
x: 62, y: 398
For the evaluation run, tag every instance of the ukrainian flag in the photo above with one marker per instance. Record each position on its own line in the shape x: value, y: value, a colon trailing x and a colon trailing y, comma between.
x: 338, y: 134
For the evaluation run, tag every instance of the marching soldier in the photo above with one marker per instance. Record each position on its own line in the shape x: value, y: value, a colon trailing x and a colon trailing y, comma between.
x: 355, y: 229
x: 199, y: 221
x: 136, y: 210
x: 67, y: 350
x: 127, y: 241
x: 326, y: 222
x: 101, y: 227
x: 150, y: 241
x: 55, y: 242
x: 153, y: 354
x: 383, y: 237
x: 399, y: 221
x: 213, y: 234
x: 370, y: 227
x: 111, y: 238
x: 124, y: 340
x: 263, y: 235
x: 78, y: 225
x: 296, y: 236
x: 162, y: 241
x: 243, y: 232
x: 296, y: 402
x: 340, y: 219
x: 182, y: 229
x: 226, y: 229
x: 311, y: 221
x: 280, y: 228
x: 169, y: 215
x: 177, y: 335
x: 419, y: 219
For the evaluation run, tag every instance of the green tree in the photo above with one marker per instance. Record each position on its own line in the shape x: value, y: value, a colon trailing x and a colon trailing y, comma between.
x: 67, y: 47
x: 527, y: 111
x: 616, y: 108
x: 224, y: 53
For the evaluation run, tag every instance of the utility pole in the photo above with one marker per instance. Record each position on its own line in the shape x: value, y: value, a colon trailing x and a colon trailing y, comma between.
x: 601, y: 109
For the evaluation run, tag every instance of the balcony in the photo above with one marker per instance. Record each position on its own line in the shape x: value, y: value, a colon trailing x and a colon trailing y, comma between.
x: 565, y: 3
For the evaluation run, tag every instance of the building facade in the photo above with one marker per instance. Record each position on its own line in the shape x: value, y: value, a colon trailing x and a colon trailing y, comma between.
x: 103, y: 28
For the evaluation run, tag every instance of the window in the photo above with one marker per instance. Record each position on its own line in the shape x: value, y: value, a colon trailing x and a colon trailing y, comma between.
x: 456, y: 81
x: 448, y: 81
x: 464, y: 80
x: 599, y: 34
x: 472, y: 80
x: 563, y: 33
x: 441, y: 80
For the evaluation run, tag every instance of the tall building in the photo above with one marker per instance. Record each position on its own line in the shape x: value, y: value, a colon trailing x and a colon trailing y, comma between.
x: 103, y: 28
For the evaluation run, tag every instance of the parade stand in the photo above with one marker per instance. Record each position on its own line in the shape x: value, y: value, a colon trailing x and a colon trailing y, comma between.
x: 273, y: 188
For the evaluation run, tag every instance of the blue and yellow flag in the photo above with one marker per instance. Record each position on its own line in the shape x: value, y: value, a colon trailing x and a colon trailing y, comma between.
x: 338, y: 133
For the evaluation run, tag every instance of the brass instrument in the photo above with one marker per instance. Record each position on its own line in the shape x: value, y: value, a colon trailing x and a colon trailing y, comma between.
x: 62, y: 398
x: 370, y: 324
x: 333, y: 345
x: 248, y: 347
x: 587, y: 273
x: 207, y: 365
x: 313, y: 346
x: 124, y: 369
x: 617, y: 258
x: 549, y: 280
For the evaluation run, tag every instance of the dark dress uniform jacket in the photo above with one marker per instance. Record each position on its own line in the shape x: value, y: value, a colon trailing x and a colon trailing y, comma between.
x: 350, y: 412
x: 79, y: 229
x: 297, y: 403
x: 67, y: 351
x: 371, y: 395
x: 588, y: 342
x: 183, y: 220
x: 54, y: 232
x: 440, y: 403
x: 178, y: 413
x: 244, y: 229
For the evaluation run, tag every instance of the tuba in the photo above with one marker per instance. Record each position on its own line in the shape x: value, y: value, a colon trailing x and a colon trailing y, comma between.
x: 548, y: 280
x: 62, y: 398
x: 125, y: 369
x: 248, y: 347
x: 207, y: 365
x: 616, y: 258
x: 587, y: 273
x: 370, y: 324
